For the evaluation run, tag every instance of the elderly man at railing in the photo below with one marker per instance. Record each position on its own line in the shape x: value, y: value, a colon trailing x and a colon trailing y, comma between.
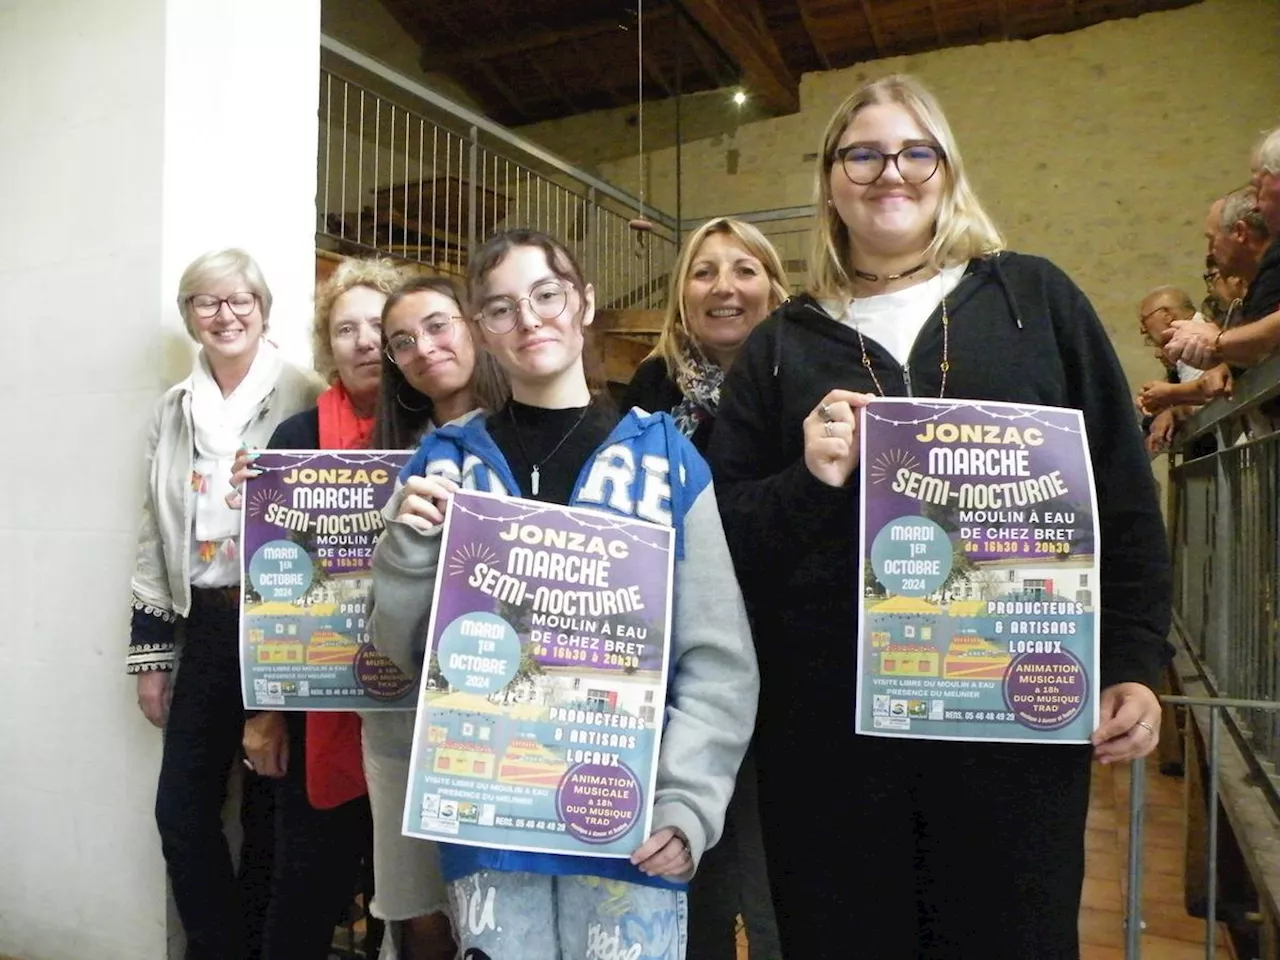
x: 1257, y: 336
x: 1166, y: 403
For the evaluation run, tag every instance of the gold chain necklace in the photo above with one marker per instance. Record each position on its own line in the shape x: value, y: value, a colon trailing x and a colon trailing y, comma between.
x: 944, y: 366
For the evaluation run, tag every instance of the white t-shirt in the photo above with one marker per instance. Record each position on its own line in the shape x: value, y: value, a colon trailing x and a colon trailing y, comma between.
x: 1186, y: 372
x: 894, y: 320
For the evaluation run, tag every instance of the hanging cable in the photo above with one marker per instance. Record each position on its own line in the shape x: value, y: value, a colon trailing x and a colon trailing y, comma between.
x: 640, y: 224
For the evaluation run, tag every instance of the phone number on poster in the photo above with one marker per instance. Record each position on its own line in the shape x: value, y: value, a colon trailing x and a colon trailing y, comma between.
x: 976, y: 715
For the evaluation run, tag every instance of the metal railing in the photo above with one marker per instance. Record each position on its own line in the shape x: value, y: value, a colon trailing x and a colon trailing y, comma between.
x: 1226, y: 546
x: 1225, y: 532
x: 428, y: 183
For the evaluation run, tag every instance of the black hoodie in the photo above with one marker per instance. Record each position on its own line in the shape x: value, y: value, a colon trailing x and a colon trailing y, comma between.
x: 1020, y: 331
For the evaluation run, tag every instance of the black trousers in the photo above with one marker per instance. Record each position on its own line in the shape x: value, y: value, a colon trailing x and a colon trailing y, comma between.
x: 221, y: 908
x: 918, y: 850
x: 732, y: 879
x: 318, y: 860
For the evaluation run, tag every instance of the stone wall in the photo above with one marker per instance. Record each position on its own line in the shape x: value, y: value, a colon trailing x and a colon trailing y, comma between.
x: 1100, y: 149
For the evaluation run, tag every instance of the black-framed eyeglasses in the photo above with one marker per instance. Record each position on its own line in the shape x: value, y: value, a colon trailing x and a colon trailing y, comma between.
x: 206, y: 305
x: 439, y: 328
x: 865, y: 165
x: 1142, y: 324
x: 547, y: 300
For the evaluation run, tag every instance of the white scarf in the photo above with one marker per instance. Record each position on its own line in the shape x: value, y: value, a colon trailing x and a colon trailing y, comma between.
x: 219, y: 424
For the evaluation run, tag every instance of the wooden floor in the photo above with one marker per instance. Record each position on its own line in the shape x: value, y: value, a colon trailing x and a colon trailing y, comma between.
x: 1170, y: 933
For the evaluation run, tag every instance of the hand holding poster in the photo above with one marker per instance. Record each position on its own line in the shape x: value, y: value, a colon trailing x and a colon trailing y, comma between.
x: 542, y: 701
x: 979, y: 573
x: 310, y: 522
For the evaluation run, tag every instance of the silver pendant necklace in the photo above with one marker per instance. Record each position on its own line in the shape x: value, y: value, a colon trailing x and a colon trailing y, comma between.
x: 536, y: 468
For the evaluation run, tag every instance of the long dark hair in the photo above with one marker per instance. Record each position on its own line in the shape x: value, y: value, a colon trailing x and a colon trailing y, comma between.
x: 565, y: 266
x: 404, y: 413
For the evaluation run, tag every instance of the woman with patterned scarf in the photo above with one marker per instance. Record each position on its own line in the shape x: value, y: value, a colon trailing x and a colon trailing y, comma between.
x: 727, y: 279
x: 186, y: 587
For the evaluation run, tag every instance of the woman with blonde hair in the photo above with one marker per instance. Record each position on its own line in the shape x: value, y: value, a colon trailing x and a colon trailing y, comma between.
x: 727, y: 279
x: 186, y: 586
x: 927, y: 848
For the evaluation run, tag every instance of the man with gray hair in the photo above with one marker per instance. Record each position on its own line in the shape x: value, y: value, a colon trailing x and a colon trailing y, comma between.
x: 1237, y: 234
x: 1257, y: 336
x: 1266, y: 179
x: 1166, y: 403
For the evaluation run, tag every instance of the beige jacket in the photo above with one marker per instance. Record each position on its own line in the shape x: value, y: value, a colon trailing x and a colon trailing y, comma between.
x: 161, y: 575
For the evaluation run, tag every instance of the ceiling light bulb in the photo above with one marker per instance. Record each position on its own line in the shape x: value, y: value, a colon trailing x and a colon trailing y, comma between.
x: 739, y: 98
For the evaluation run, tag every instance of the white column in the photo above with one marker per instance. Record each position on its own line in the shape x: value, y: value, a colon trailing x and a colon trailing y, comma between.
x: 134, y: 135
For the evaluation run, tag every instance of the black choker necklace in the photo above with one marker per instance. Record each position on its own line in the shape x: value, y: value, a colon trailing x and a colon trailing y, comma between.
x: 875, y: 277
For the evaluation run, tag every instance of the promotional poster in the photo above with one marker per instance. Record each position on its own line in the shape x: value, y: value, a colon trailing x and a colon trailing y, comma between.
x: 978, y: 573
x: 542, y: 701
x: 309, y: 526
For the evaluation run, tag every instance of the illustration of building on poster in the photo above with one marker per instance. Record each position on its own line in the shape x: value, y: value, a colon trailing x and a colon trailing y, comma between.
x: 542, y: 703
x: 310, y: 522
x: 978, y: 574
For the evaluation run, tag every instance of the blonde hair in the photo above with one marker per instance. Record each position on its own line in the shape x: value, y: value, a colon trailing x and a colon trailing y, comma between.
x: 210, y: 269
x: 677, y: 343
x: 376, y: 274
x: 962, y: 231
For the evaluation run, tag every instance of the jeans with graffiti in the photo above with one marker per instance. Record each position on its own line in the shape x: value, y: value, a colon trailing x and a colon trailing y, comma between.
x: 525, y: 916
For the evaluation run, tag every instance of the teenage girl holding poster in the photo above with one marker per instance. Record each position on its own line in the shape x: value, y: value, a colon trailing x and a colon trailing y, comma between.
x: 554, y: 442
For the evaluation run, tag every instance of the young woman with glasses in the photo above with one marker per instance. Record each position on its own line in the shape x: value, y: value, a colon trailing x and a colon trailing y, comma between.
x: 186, y: 592
x: 919, y: 848
x: 401, y: 362
x: 431, y: 376
x: 553, y: 441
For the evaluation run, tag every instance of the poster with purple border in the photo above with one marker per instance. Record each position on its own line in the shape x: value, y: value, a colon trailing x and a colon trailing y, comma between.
x: 978, y: 573
x: 542, y: 703
x: 309, y: 525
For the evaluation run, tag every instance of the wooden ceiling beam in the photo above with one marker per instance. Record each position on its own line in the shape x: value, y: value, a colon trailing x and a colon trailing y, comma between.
x: 557, y: 90
x: 601, y: 81
x: 873, y: 28
x: 708, y: 58
x: 493, y: 80
x: 806, y: 18
x: 543, y: 38
x: 937, y: 23
x: 656, y: 73
x: 1004, y: 19
x: 733, y: 24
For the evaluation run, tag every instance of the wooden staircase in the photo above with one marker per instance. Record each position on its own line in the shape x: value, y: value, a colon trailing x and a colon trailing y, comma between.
x: 625, y: 338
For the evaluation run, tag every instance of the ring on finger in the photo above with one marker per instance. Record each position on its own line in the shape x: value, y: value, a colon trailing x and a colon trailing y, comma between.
x: 1150, y: 729
x: 824, y: 412
x: 827, y: 429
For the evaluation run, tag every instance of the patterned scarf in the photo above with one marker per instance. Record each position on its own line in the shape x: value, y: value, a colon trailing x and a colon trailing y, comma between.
x: 700, y: 385
x: 218, y: 424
